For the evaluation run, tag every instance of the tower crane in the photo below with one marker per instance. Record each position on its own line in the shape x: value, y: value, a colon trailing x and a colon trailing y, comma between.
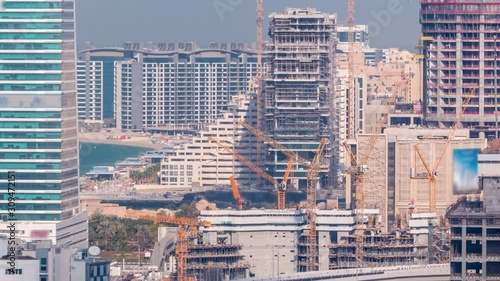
x: 276, y: 145
x: 312, y: 183
x: 280, y: 187
x: 358, y: 169
x: 432, y: 175
x: 313, y: 168
x: 187, y: 229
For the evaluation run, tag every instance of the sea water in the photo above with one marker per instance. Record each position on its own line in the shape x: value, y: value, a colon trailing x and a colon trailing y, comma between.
x: 98, y: 154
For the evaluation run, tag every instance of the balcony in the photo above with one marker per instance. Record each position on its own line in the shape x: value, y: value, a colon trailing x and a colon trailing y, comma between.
x: 447, y: 85
x: 470, y: 57
x: 470, y: 48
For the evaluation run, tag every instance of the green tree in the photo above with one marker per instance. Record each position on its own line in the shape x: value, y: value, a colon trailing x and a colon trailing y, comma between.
x: 117, y: 234
x: 188, y: 210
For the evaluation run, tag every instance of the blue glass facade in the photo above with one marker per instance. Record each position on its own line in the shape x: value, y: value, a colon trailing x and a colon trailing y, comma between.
x: 38, y: 121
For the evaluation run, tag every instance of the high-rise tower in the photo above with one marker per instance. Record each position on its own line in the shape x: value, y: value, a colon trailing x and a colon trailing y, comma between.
x: 461, y: 52
x: 38, y: 121
x: 299, y: 86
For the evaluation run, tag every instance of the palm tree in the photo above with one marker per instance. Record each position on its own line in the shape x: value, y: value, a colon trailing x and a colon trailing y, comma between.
x: 108, y: 231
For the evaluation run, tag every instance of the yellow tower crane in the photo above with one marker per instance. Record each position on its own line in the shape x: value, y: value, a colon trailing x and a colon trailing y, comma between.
x: 313, y: 168
x: 432, y: 175
x: 187, y: 229
x: 312, y: 183
x: 280, y: 187
x: 358, y: 169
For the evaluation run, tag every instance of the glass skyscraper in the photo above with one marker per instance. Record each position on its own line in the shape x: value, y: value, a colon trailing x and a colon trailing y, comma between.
x: 38, y: 121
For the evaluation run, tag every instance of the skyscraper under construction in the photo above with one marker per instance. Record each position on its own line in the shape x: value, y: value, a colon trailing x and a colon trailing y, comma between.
x: 298, y: 109
x: 461, y: 49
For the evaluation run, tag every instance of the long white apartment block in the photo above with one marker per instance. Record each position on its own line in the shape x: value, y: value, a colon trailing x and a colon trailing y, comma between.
x: 156, y: 89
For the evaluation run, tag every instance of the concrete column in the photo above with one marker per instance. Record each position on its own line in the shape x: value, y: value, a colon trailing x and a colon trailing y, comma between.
x: 481, y: 72
x: 464, y: 248
x: 484, y: 248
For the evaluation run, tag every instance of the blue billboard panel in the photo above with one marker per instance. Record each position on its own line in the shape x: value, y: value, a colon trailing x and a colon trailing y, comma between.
x: 465, y: 171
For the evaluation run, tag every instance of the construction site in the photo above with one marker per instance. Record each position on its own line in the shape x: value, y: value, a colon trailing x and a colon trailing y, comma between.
x: 294, y: 128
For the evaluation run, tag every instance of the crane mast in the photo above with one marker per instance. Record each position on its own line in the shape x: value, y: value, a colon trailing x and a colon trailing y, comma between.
x: 358, y: 169
x: 352, y: 101
x: 432, y: 171
x: 258, y: 47
x: 187, y: 228
x: 312, y: 183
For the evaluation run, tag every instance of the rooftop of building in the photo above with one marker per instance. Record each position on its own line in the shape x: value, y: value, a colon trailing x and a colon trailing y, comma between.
x: 170, y: 49
x: 101, y: 170
x: 467, y: 208
x: 131, y: 161
x: 18, y: 257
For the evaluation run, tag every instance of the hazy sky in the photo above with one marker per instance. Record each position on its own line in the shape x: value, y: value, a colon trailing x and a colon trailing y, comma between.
x: 393, y: 23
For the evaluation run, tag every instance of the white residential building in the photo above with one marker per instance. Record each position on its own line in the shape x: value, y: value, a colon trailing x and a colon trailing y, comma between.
x: 90, y: 91
x: 155, y: 89
x: 202, y: 164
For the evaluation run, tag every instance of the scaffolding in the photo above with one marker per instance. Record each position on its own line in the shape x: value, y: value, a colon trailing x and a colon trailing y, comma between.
x: 216, y: 262
x: 300, y: 81
x: 379, y: 250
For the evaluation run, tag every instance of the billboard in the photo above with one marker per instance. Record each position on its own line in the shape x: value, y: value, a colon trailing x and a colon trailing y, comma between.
x: 465, y: 171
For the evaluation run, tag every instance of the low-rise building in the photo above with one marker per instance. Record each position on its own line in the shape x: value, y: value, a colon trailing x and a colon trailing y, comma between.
x: 90, y: 269
x: 26, y: 268
x: 273, y: 240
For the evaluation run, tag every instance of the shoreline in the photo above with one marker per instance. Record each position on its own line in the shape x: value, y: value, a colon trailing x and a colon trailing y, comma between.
x: 135, y: 143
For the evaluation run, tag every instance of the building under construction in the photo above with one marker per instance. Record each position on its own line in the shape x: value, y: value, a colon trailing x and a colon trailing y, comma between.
x: 216, y: 262
x: 465, y: 32
x: 387, y: 249
x: 299, y: 86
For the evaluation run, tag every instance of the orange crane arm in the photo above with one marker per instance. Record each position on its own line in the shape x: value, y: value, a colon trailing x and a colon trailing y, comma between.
x: 188, y: 228
x: 236, y: 192
x: 160, y: 218
x: 429, y: 172
x: 290, y: 154
x: 243, y: 160
x: 288, y: 169
x: 455, y: 127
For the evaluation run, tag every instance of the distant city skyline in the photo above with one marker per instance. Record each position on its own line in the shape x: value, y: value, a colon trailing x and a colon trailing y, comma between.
x: 393, y: 23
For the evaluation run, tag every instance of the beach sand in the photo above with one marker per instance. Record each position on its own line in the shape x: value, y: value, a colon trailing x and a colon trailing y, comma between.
x: 133, y: 141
